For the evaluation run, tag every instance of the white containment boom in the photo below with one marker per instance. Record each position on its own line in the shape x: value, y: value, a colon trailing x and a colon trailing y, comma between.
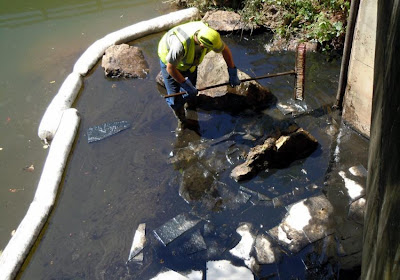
x: 28, y: 230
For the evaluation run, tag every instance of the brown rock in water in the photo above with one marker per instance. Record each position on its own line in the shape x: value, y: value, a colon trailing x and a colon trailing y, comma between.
x: 227, y: 21
x: 197, y: 182
x: 276, y: 152
x: 256, y: 160
x: 248, y: 95
x: 124, y: 61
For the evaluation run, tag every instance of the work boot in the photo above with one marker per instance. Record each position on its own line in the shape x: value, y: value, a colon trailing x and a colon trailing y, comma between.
x: 181, y: 117
x: 193, y: 125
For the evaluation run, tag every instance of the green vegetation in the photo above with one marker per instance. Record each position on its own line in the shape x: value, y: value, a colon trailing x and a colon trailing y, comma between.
x: 322, y: 21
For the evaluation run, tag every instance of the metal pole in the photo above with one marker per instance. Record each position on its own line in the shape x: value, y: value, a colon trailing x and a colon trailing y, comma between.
x: 355, y: 4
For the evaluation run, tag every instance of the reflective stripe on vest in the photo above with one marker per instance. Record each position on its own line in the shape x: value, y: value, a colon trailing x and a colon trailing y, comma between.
x: 185, y: 34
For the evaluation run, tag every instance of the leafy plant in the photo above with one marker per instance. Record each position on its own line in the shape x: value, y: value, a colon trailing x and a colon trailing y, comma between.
x: 312, y: 19
x: 252, y: 11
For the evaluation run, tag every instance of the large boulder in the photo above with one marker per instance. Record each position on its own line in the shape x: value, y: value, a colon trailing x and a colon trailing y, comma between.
x: 124, y: 61
x: 276, y: 152
x: 248, y: 95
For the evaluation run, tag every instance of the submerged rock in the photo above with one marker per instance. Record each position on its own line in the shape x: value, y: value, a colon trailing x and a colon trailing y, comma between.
x: 306, y: 222
x: 124, y: 61
x: 196, y: 183
x: 357, y: 210
x: 222, y: 270
x: 354, y: 189
x: 358, y: 171
x: 276, y: 152
x: 243, y: 249
x: 266, y: 251
x: 169, y: 274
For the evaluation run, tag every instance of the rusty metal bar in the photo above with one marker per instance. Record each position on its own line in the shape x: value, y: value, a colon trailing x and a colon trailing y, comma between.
x: 300, y: 69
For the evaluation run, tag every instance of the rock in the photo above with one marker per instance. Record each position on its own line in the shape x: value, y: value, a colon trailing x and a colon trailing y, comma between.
x: 282, y: 44
x: 124, y: 61
x: 306, y: 222
x: 248, y: 95
x: 297, y: 145
x: 354, y: 189
x: 243, y: 249
x: 223, y: 269
x: 256, y: 160
x: 358, y: 171
x: 184, y: 157
x: 266, y: 252
x: 160, y: 79
x: 196, y: 183
x: 357, y: 210
x: 276, y: 152
x: 228, y: 21
x: 169, y: 274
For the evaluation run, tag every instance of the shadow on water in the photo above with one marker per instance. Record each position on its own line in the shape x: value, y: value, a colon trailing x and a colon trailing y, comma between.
x: 147, y: 175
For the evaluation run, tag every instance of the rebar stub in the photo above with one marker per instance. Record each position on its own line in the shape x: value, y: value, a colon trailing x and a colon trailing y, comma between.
x: 300, y: 69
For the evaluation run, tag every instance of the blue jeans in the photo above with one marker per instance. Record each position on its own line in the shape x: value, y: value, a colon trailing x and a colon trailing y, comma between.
x: 173, y: 86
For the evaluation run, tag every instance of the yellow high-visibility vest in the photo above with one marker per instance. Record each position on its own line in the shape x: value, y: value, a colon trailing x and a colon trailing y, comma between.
x: 185, y: 33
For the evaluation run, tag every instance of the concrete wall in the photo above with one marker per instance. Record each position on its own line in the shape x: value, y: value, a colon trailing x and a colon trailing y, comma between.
x: 357, y: 101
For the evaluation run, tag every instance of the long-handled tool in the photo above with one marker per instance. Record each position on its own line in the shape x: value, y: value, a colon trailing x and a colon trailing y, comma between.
x: 299, y: 74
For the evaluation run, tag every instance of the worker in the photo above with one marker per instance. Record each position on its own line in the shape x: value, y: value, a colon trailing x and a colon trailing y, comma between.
x: 181, y: 50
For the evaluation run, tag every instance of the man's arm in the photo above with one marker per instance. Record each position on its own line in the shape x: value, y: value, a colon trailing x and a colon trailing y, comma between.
x: 186, y: 84
x: 174, y: 72
x: 227, y: 54
x: 232, y: 71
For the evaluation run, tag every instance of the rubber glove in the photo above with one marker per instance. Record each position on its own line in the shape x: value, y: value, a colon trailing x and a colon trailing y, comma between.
x: 189, y: 88
x: 233, y: 77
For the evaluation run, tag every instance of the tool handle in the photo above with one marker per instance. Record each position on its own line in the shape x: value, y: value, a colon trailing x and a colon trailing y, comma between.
x: 292, y: 72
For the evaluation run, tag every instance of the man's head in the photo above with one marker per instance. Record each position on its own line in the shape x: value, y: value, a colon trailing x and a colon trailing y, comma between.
x: 210, y: 39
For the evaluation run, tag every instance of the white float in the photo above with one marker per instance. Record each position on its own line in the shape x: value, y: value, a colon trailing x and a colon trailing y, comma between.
x: 28, y: 230
x: 60, y: 124
x: 62, y: 101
